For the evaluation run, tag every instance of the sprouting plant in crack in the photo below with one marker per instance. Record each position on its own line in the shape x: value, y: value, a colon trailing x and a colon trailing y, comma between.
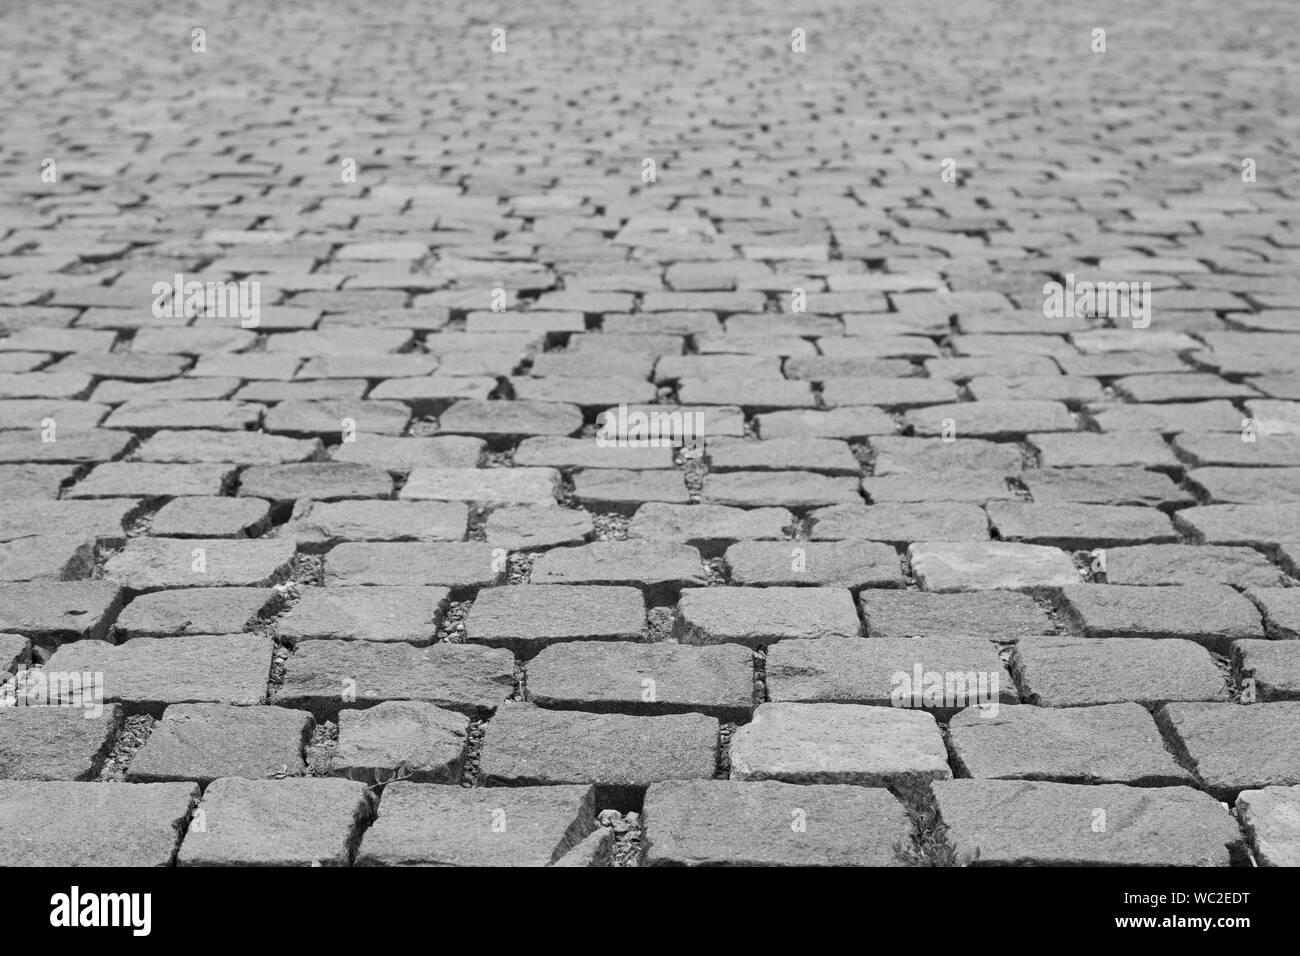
x: 397, y: 775
x: 929, y: 843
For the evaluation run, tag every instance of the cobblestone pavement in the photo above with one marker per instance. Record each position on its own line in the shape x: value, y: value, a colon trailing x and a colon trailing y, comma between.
x: 967, y: 532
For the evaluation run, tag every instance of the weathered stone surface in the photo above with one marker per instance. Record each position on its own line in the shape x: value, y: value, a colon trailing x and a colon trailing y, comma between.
x: 1088, y: 449
x: 527, y: 617
x: 409, y: 614
x: 644, y: 679
x: 500, y: 826
x: 1156, y: 564
x: 775, y: 489
x: 402, y: 454
x: 1111, y: 743
x: 51, y: 611
x: 1261, y: 526
x: 1022, y: 822
x: 1281, y: 610
x: 1003, y: 616
x: 202, y: 742
x: 321, y: 523
x: 596, y: 849
x: 210, y: 518
x: 135, y: 479
x: 41, y: 742
x: 1271, y: 819
x: 655, y: 567
x: 524, y: 745
x: 249, y: 448
x: 605, y: 489
x: 426, y: 744
x: 556, y: 452
x: 730, y: 823
x: 328, y: 418
x: 1235, y: 747
x: 855, y: 422
x: 15, y: 652
x: 412, y: 564
x: 327, y: 676
x: 149, y: 564
x: 1119, y: 485
x: 195, y: 611
x: 779, y: 454
x: 79, y: 824
x: 1267, y: 670
x: 484, y: 486
x: 47, y: 557
x: 844, y: 564
x: 989, y: 565
x: 472, y: 417
x: 928, y: 456
x: 1212, y: 614
x: 306, y: 822
x: 711, y: 528
x: 526, y: 528
x: 1079, y: 527
x: 977, y: 487
x: 990, y: 419
x: 840, y: 743
x: 1247, y: 486
x: 318, y: 480
x: 901, y: 523
x: 29, y: 518
x: 1080, y: 672
x: 760, y: 616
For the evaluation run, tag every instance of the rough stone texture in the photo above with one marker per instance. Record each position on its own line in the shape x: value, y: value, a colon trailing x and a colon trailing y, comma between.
x: 15, y: 652
x: 653, y: 566
x: 452, y: 565
x: 1157, y: 564
x: 1004, y: 616
x: 710, y: 528
x: 842, y: 564
x: 989, y: 565
x: 483, y: 486
x: 1213, y: 614
x: 150, y: 564
x: 760, y: 617
x: 307, y: 822
x: 1271, y: 819
x: 644, y: 679
x: 202, y: 742
x: 424, y: 743
x: 1268, y: 670
x: 1281, y: 610
x: 327, y: 676
x: 49, y: 612
x: 194, y: 611
x: 527, y: 617
x: 1080, y: 672
x: 1035, y: 823
x: 420, y: 825
x: 1079, y: 527
x: 728, y: 823
x: 319, y: 523
x: 204, y: 517
x: 901, y: 523
x: 79, y: 824
x: 1235, y: 747
x: 44, y: 742
x: 1111, y: 743
x: 409, y: 614
x: 527, y: 528
x: 840, y: 743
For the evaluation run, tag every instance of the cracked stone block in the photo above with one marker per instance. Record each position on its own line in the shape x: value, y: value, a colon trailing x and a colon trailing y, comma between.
x: 40, y: 742
x: 203, y: 742
x: 930, y: 456
x: 1261, y: 526
x: 899, y: 749
x: 756, y: 617
x: 424, y: 742
x: 730, y: 823
x: 1159, y: 564
x: 47, y: 557
x: 320, y: 523
x: 48, y: 612
x: 990, y: 419
x: 1121, y: 485
x: 29, y: 518
x: 778, y: 489
x: 325, y: 677
x: 452, y: 826
x: 1234, y: 747
x: 525, y: 528
x: 414, y: 564
x: 710, y: 528
x: 402, y: 454
x: 1212, y: 614
x: 989, y: 565
x: 317, y: 480
x: 1270, y: 670
x: 1088, y: 449
x: 484, y: 486
x: 194, y: 611
x: 1036, y: 823
x: 624, y: 491
x: 210, y: 518
x: 844, y: 564
x: 1081, y: 672
x: 1281, y: 610
x: 151, y: 564
x: 1110, y: 743
x: 133, y: 479
x: 900, y: 523
x: 238, y: 447
x: 146, y: 676
x: 15, y: 653
x: 1003, y: 616
x: 57, y: 823
x: 410, y: 614
x: 511, y: 419
x: 1079, y: 527
x: 296, y: 822
x: 657, y: 568
x: 937, y: 674
x: 525, y: 745
x: 524, y: 618
x: 644, y: 679
x: 1271, y: 819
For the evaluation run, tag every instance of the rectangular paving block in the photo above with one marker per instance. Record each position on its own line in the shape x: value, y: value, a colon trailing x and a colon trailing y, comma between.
x: 1267, y: 670
x: 202, y: 742
x: 320, y: 524
x: 1162, y: 564
x: 39, y: 741
x: 483, y: 487
x: 1003, y: 616
x: 524, y: 618
x: 989, y: 565
x: 1271, y: 819
x: 1235, y: 747
x: 26, y: 517
x: 48, y: 612
x: 1079, y: 527
x: 195, y: 611
x: 325, y: 677
x: 644, y: 679
x: 660, y: 569
x: 1281, y: 610
x: 151, y: 564
x: 842, y: 564
x: 420, y: 825
x: 422, y: 742
x: 57, y: 823
x: 864, y: 746
x: 293, y: 822
x: 710, y: 528
x: 414, y: 564
x: 1212, y: 614
x: 759, y: 616
x: 769, y: 823
x: 381, y: 613
x: 1035, y: 823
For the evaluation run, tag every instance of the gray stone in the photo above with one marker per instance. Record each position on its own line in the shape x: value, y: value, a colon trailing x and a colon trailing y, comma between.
x: 711, y: 528
x: 527, y: 617
x: 202, y: 742
x: 1003, y: 616
x: 320, y: 523
x: 195, y: 611
x: 1271, y: 819
x: 525, y: 528
x: 48, y: 612
x: 149, y: 564
x: 318, y: 480
x: 1235, y: 747
x: 1212, y: 614
x: 414, y: 564
x: 484, y: 486
x: 1079, y: 527
x: 1267, y: 670
x: 421, y: 742
x: 1081, y: 672
x: 42, y: 742
x: 756, y: 617
x: 210, y: 517
x: 845, y: 564
x: 409, y: 614
x: 1281, y: 610
x: 989, y: 565
x: 1157, y: 564
x: 900, y: 523
x: 658, y: 568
